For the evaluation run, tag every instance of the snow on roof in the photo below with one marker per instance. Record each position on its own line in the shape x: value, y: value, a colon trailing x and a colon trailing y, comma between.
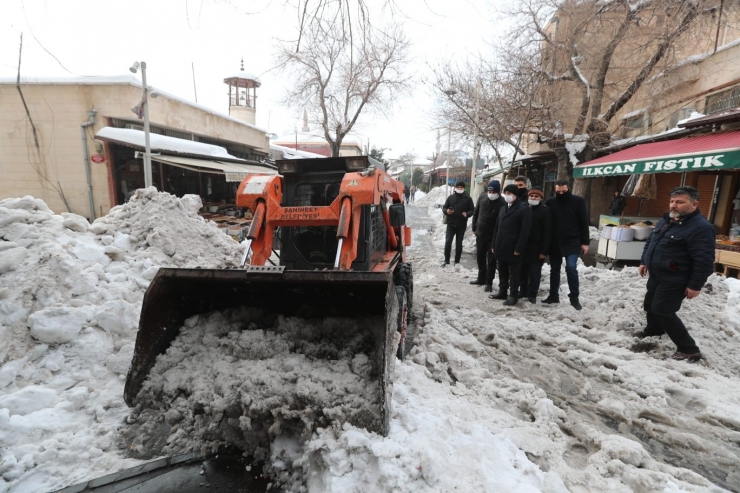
x: 633, y: 114
x: 422, y: 162
x: 290, y: 153
x: 121, y: 80
x: 313, y: 138
x: 241, y: 74
x: 164, y: 143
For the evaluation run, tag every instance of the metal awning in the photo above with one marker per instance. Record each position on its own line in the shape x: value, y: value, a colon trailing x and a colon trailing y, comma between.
x: 709, y: 152
x: 233, y: 172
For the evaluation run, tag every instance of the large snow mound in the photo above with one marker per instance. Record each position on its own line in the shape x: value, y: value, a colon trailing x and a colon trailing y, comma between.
x: 70, y: 297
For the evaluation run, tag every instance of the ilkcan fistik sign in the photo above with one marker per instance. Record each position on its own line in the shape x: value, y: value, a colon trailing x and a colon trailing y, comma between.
x: 667, y: 164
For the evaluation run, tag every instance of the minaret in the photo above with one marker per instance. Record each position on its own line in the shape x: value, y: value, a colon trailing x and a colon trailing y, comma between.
x: 243, y: 95
x: 305, y: 128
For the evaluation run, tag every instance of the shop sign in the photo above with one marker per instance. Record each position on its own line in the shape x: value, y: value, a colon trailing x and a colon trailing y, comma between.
x: 666, y: 164
x: 237, y: 177
x: 97, y: 158
x: 299, y: 213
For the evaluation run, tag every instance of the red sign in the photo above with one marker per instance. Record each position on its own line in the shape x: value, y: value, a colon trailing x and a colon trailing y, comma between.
x: 97, y: 158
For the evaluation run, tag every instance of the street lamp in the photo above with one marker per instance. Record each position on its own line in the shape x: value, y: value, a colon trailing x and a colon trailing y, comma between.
x: 143, y: 108
x: 449, y: 92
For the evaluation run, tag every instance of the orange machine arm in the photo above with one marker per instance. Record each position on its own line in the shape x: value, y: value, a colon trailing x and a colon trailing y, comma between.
x: 263, y: 195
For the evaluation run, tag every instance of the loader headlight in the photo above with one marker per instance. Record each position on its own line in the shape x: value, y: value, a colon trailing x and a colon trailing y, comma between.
x: 356, y: 163
x: 286, y: 167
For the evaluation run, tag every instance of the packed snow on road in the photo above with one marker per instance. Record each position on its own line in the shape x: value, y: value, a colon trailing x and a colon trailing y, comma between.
x: 491, y: 398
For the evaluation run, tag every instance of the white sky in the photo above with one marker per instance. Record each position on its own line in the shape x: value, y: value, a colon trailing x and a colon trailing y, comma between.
x: 104, y: 37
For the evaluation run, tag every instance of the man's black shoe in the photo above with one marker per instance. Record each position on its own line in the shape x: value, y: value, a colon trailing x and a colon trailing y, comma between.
x: 511, y: 301
x: 679, y: 356
x: 553, y: 298
x: 574, y: 302
x: 488, y: 288
x: 445, y: 264
x: 532, y: 300
x: 642, y: 334
x: 478, y: 282
x: 501, y: 295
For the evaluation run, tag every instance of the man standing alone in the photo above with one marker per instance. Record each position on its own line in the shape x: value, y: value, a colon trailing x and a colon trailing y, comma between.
x: 571, y: 239
x: 678, y: 258
x: 485, y: 215
x: 458, y: 208
x: 510, y: 243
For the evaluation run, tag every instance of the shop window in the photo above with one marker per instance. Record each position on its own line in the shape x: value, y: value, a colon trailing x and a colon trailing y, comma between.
x: 722, y: 101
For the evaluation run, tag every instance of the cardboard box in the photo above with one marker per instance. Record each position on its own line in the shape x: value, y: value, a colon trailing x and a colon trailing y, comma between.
x: 729, y: 258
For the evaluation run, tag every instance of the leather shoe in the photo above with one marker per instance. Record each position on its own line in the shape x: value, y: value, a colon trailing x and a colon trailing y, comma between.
x: 511, y: 301
x: 532, y: 300
x: 501, y: 295
x: 445, y: 264
x: 488, y: 288
x: 679, y: 356
x: 574, y: 302
x: 553, y: 298
x: 478, y: 282
x: 642, y: 334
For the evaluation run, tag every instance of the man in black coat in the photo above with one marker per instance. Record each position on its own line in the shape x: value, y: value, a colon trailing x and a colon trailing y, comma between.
x: 458, y: 208
x: 484, y: 222
x: 510, y: 243
x: 521, y: 183
x: 678, y: 256
x: 538, y: 245
x: 618, y: 203
x: 570, y: 240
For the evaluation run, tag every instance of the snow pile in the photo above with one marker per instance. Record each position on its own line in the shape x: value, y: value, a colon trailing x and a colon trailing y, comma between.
x: 70, y: 297
x: 242, y: 376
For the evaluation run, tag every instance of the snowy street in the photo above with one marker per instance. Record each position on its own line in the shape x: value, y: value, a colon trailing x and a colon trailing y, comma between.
x: 491, y: 398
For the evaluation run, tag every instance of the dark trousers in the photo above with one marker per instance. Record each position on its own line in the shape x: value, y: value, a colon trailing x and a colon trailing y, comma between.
x: 556, y: 260
x: 486, y: 259
x: 509, y: 275
x: 456, y: 232
x: 662, y: 301
x: 531, y: 276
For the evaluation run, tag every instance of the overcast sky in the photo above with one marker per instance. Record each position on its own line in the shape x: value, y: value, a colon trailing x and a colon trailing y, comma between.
x: 103, y: 37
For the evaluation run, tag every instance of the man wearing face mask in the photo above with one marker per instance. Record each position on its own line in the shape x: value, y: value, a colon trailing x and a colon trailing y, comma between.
x: 521, y: 183
x: 679, y: 257
x: 570, y: 240
x: 538, y: 245
x: 484, y: 222
x: 458, y: 208
x: 509, y: 244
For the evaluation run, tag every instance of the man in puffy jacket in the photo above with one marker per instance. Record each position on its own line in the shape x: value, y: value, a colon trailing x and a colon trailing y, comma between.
x: 510, y: 243
x: 484, y: 222
x: 678, y: 257
x: 458, y: 208
x: 538, y: 245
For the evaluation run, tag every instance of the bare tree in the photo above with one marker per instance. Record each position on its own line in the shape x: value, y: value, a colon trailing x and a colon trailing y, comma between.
x: 344, y: 65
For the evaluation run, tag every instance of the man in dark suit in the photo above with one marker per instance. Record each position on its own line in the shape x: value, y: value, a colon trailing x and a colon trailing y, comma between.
x: 538, y: 245
x: 571, y: 240
x: 509, y: 244
x: 679, y: 257
x: 485, y: 215
x: 458, y: 208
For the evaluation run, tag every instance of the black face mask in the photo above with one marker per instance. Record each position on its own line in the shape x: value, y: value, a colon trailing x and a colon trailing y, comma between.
x: 563, y: 196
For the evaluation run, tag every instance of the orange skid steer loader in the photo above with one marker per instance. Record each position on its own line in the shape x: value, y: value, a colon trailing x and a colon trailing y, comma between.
x: 337, y: 226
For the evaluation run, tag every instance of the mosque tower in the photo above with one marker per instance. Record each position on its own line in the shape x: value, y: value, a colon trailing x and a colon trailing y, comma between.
x: 243, y: 95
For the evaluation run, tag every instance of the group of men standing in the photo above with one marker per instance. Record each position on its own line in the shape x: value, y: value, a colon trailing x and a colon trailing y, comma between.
x: 515, y: 232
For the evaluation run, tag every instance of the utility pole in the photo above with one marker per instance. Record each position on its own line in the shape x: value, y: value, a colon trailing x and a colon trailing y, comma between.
x: 475, y: 139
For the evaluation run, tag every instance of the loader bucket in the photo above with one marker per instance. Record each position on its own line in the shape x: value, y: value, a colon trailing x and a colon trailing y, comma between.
x: 177, y: 294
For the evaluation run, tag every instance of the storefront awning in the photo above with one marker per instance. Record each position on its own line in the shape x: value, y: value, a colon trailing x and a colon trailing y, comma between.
x: 234, y: 172
x: 703, y: 153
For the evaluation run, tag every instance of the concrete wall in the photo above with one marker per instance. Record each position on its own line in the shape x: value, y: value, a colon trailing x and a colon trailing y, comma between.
x: 57, y: 111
